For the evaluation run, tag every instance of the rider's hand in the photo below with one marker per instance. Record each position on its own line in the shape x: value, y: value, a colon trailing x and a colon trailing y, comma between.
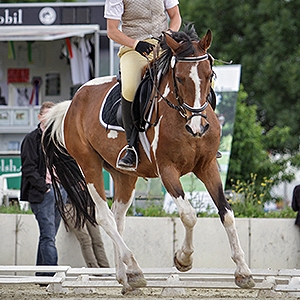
x: 144, y: 48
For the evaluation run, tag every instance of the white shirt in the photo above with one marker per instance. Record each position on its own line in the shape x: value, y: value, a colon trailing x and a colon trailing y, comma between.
x: 80, y: 65
x: 114, y: 8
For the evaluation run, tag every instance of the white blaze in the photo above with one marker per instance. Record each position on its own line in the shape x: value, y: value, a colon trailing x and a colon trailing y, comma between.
x: 195, y: 77
x: 196, y: 121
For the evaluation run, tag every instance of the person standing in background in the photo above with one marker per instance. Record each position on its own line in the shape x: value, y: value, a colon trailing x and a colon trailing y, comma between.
x: 90, y: 240
x: 36, y: 188
x: 296, y: 203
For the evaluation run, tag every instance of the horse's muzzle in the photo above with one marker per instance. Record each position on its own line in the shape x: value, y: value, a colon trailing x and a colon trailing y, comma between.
x: 200, y: 131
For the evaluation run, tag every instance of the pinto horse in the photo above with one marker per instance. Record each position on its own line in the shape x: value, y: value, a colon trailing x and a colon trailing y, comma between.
x: 183, y: 136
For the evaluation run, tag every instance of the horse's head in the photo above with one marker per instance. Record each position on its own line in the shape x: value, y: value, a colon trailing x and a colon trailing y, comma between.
x: 191, y: 71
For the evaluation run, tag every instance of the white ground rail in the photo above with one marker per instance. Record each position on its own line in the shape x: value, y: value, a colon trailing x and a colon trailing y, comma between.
x: 82, y: 280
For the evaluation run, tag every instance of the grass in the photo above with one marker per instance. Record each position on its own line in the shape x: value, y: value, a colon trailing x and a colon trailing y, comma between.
x: 154, y: 208
x: 13, y: 209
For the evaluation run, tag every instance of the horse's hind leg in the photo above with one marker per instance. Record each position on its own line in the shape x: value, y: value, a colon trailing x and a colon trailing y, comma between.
x: 91, y: 165
x: 183, y: 259
x: 212, y: 181
x: 124, y: 187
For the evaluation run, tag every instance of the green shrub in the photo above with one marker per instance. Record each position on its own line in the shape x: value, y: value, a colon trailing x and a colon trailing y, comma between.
x: 248, y: 198
x: 13, y: 209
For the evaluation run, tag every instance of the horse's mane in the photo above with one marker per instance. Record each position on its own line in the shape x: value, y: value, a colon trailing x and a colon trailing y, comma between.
x: 185, y: 38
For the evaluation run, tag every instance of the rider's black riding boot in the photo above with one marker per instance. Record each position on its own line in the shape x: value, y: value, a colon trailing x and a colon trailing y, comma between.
x: 130, y: 158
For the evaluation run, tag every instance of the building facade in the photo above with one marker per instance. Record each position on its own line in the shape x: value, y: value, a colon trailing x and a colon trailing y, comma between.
x: 47, y: 50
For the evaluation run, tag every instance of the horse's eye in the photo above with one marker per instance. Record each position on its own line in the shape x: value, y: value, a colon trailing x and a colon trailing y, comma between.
x: 179, y: 79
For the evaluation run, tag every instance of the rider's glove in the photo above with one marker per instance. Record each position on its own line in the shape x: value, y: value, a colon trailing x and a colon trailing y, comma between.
x: 144, y: 48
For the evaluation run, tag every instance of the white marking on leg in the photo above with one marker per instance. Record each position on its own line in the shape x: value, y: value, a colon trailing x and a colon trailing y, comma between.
x: 237, y: 252
x: 119, y: 209
x: 105, y: 218
x: 186, y: 212
x: 189, y: 219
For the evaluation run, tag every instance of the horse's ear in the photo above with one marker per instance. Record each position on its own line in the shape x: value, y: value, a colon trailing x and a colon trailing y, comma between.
x: 205, y: 42
x: 171, y: 43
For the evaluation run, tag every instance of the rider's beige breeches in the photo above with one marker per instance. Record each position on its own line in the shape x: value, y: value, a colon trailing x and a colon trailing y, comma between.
x: 132, y: 65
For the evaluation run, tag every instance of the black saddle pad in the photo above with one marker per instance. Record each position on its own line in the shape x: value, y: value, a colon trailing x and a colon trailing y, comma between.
x: 108, y: 112
x: 140, y: 107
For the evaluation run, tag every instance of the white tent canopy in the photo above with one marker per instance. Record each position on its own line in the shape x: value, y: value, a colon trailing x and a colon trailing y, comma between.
x: 45, y: 33
x: 51, y: 33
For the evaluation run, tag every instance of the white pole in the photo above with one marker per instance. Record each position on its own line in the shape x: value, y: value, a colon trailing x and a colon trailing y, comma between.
x: 97, y: 52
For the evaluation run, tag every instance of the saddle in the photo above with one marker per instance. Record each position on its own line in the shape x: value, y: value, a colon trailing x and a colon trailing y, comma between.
x: 143, y: 102
x: 110, y: 112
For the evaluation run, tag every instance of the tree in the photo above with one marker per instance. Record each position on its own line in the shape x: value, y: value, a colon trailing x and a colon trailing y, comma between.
x: 247, y: 151
x: 263, y: 36
x: 249, y: 155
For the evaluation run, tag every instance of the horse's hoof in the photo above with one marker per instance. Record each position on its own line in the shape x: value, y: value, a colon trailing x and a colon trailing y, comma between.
x: 126, y: 290
x: 180, y: 267
x: 133, y: 292
x: 136, y: 280
x: 244, y: 282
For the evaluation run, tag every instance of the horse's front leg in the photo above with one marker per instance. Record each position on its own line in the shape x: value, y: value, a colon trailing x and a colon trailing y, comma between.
x: 131, y: 276
x: 211, y: 179
x: 243, y: 277
x: 183, y: 257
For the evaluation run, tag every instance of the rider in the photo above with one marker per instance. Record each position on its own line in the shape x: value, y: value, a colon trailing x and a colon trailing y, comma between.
x: 142, y: 21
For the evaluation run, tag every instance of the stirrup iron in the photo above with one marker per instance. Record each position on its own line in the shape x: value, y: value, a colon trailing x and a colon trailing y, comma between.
x: 130, y: 148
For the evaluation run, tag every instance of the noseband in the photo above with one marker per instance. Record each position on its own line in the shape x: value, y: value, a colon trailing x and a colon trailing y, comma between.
x: 182, y: 106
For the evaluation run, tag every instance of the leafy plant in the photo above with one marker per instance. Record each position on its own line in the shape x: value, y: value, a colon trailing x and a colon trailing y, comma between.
x: 247, y: 199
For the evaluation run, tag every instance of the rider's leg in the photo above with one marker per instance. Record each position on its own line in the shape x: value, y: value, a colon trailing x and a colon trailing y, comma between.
x: 131, y: 66
x: 129, y: 160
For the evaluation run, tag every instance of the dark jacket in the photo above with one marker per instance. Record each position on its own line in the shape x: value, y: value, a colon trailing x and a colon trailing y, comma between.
x: 33, y: 181
x: 296, y: 203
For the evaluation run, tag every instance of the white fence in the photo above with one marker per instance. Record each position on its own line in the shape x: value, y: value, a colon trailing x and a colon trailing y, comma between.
x: 267, y: 243
x: 5, y: 192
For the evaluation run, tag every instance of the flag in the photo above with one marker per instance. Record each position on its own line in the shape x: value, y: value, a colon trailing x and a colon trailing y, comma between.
x: 11, y: 50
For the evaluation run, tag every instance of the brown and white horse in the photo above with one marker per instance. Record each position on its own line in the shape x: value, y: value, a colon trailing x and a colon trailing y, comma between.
x: 184, y: 138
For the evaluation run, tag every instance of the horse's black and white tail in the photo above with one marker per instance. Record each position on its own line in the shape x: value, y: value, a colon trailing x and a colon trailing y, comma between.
x: 63, y: 168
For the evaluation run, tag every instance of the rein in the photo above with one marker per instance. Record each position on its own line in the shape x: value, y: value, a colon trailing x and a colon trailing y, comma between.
x: 181, y: 107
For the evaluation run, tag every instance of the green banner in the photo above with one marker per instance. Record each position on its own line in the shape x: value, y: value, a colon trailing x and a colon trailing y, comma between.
x: 12, y: 164
x: 9, y: 165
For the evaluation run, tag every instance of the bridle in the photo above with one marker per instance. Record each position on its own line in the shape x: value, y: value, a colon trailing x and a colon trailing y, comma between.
x: 182, y: 106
